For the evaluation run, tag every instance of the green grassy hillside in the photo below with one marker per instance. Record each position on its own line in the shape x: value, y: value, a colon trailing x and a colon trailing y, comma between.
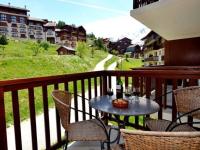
x: 18, y: 61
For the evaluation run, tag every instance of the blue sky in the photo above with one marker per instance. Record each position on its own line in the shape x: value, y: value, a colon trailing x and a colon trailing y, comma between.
x: 74, y: 11
x: 105, y: 18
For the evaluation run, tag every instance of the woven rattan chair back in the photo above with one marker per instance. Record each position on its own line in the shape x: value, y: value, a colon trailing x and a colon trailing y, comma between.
x: 188, y: 99
x: 154, y: 140
x: 62, y: 101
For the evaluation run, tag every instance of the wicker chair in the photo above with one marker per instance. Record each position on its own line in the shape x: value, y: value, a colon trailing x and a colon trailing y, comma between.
x: 154, y: 140
x: 89, y: 130
x: 188, y: 103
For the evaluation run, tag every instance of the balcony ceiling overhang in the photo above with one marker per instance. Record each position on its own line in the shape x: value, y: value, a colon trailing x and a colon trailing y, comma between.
x: 171, y: 19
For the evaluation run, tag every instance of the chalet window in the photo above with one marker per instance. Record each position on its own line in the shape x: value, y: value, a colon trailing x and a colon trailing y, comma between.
x: 14, y: 35
x: 13, y: 19
x: 4, y: 29
x: 3, y: 17
x: 22, y: 20
x: 14, y: 30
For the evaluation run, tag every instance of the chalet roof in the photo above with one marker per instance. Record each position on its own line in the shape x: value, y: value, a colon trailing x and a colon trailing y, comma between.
x: 125, y: 38
x: 50, y: 24
x: 81, y: 28
x: 149, y: 34
x: 65, y: 47
x: 133, y: 48
x: 14, y: 7
x: 36, y: 19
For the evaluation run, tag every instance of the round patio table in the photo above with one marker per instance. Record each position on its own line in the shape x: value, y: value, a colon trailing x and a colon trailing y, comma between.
x: 141, y: 106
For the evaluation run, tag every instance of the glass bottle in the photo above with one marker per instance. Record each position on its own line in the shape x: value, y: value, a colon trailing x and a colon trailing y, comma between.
x: 119, y: 88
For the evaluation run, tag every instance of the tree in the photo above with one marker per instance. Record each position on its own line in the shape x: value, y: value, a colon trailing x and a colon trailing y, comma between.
x: 91, y: 36
x: 44, y: 45
x: 3, y: 40
x: 60, y: 24
x: 81, y: 49
x: 36, y: 48
x: 99, y: 44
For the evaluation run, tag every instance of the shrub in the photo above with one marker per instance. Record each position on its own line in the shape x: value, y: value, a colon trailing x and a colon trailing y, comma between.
x: 45, y: 45
x: 81, y: 49
x: 3, y: 40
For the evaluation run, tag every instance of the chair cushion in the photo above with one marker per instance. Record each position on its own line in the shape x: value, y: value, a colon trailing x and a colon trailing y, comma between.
x: 89, y: 130
x: 161, y: 125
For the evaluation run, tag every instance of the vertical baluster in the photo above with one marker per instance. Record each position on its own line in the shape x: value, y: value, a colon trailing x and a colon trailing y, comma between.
x: 148, y: 87
x: 142, y: 86
x: 109, y: 81
x: 136, y: 84
x: 66, y: 86
x: 174, y: 110
x: 83, y: 98
x: 89, y: 96
x: 58, y: 125
x: 159, y: 96
x: 3, y: 136
x: 46, y: 116
x: 110, y: 86
x: 126, y: 81
x: 16, y: 115
x: 32, y: 119
x: 95, y: 92
x: 101, y: 86
x: 192, y: 82
x: 104, y: 85
x: 75, y: 100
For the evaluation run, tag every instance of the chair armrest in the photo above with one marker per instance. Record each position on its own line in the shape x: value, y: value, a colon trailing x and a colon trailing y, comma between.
x: 183, y: 124
x: 185, y: 114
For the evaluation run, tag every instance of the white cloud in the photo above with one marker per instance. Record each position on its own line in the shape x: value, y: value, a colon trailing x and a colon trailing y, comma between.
x: 118, y: 27
x: 94, y: 6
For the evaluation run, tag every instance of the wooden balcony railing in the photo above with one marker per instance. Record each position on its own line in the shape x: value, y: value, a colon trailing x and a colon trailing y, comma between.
x: 86, y: 81
x: 153, y: 58
x: 141, y: 3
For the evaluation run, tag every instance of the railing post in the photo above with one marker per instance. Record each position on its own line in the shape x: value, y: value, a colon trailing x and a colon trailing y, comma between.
x: 3, y: 134
x: 158, y: 96
x: 104, y: 84
x: 105, y: 115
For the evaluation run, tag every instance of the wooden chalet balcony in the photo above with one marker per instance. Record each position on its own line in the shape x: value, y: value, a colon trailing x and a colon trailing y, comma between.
x: 91, y: 82
x: 153, y: 58
x: 141, y: 3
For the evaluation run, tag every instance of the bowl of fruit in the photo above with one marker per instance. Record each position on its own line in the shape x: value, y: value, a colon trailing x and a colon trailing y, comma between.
x: 120, y: 103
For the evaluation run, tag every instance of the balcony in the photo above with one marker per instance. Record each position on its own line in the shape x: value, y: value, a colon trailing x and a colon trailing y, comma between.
x: 153, y: 58
x: 182, y: 17
x: 96, y: 84
x: 141, y: 3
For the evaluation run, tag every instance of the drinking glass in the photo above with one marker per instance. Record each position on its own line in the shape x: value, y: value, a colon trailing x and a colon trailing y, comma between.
x: 128, y: 91
x: 110, y: 91
x: 136, y: 93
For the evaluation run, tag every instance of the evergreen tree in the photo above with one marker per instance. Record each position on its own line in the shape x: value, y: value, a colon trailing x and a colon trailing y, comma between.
x: 3, y: 40
x: 60, y: 24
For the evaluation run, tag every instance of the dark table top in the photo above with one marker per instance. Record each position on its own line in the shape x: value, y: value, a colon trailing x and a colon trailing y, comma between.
x: 142, y: 106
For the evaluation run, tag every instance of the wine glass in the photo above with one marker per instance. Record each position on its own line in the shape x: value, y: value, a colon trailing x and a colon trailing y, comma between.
x: 128, y: 91
x: 136, y: 92
x: 110, y: 91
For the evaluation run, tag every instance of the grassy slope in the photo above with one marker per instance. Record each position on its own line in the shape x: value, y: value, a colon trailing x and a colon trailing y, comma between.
x: 18, y: 62
x: 110, y: 61
x: 131, y: 63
